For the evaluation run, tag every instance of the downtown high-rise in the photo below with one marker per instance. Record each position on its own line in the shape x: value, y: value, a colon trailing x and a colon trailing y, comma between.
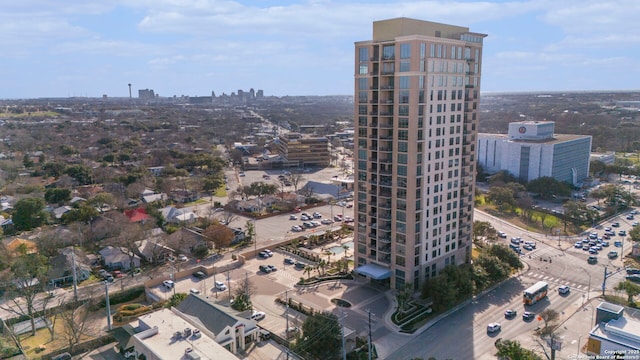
x: 417, y: 88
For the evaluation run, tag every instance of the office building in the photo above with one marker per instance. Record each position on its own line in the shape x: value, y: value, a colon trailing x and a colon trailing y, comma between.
x: 417, y: 87
x: 531, y: 150
x: 304, y: 151
x: 614, y: 334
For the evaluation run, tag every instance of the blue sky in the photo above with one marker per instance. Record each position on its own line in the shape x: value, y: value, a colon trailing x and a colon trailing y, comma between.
x: 192, y: 47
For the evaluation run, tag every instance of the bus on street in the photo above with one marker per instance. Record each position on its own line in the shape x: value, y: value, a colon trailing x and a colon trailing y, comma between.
x: 535, y: 293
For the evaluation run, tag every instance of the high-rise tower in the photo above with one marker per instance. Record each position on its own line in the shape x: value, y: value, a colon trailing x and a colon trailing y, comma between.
x: 417, y: 87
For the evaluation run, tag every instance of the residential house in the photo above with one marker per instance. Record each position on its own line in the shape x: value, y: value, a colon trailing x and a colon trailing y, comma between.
x: 16, y: 246
x: 183, y: 196
x: 173, y: 215
x: 154, y: 252
x: 59, y: 211
x: 61, y: 270
x: 186, y: 240
x: 137, y: 215
x: 148, y: 199
x: 238, y: 235
x: 118, y: 258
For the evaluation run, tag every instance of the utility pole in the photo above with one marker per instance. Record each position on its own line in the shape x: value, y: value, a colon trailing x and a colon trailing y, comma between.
x: 604, y: 280
x: 229, y: 283
x: 344, y: 349
x: 106, y: 289
x: 286, y: 316
x: 75, y: 277
x: 369, y: 350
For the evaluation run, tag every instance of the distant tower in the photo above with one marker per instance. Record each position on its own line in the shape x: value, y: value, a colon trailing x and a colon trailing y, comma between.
x: 129, y: 91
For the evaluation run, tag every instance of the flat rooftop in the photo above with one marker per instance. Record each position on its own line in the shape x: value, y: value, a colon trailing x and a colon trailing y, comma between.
x: 166, y: 345
x: 623, y: 331
x: 556, y: 139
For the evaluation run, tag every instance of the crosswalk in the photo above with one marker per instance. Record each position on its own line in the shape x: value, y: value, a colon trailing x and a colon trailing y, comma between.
x: 545, y: 253
x: 557, y: 281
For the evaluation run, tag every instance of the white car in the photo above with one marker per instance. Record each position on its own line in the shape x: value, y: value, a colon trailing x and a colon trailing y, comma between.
x: 258, y: 315
x: 326, y: 221
x: 493, y: 327
x: 194, y: 291
x: 220, y: 286
x: 182, y: 257
x: 168, y: 284
x: 564, y: 289
x: 293, y: 217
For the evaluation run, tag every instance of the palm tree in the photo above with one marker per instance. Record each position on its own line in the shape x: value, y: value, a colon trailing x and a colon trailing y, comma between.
x: 346, y: 250
x: 308, y: 269
x: 328, y: 253
x: 322, y: 265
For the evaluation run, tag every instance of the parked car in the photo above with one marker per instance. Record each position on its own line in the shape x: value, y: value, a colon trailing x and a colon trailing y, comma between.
x: 502, y: 234
x: 220, y: 286
x: 632, y: 271
x: 615, y: 224
x: 317, y: 215
x: 612, y: 254
x: 300, y: 265
x: 633, y: 278
x: 272, y: 267
x: 264, y: 268
x: 199, y: 275
x: 326, y: 221
x: 168, y: 284
x: 194, y: 291
x: 622, y: 233
x: 592, y: 260
x: 268, y: 252
x: 263, y: 254
x: 293, y: 217
x: 289, y: 261
x: 182, y: 257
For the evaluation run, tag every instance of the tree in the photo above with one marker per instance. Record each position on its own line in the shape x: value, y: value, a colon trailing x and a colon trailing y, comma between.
x: 548, y: 335
x: 512, y: 350
x: 630, y: 288
x: 634, y: 233
x: 307, y: 270
x: 503, y: 197
x: 28, y: 278
x: 596, y: 167
x: 483, y: 229
x: 219, y: 234
x: 74, y: 320
x: 29, y: 214
x: 295, y: 179
x: 547, y: 187
x: 322, y: 337
x: 403, y: 296
x: 57, y: 196
x: 102, y: 201
x: 84, y: 213
x: 242, y: 295
x: 502, y: 177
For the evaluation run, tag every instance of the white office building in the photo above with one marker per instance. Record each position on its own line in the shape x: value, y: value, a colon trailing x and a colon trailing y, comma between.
x: 531, y: 150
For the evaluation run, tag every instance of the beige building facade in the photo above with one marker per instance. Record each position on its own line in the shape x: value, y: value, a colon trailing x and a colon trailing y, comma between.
x: 304, y: 151
x: 417, y: 87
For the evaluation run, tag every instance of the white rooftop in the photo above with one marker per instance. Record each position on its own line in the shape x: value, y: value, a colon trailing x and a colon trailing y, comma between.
x: 163, y: 340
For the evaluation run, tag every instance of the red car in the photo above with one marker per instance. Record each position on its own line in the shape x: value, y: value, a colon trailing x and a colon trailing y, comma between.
x: 297, y: 210
x: 117, y: 274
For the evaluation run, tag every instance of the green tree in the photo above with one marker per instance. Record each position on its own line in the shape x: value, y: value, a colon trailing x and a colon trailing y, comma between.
x: 83, y: 213
x: 495, y: 268
x: 512, y: 350
x: 483, y: 229
x: 634, y: 233
x: 81, y: 173
x: 503, y: 197
x: 502, y: 177
x: 506, y: 255
x: 29, y: 214
x: 26, y: 161
x: 57, y: 196
x: 596, y: 167
x: 322, y: 337
x: 630, y: 288
x: 175, y: 300
x: 547, y: 187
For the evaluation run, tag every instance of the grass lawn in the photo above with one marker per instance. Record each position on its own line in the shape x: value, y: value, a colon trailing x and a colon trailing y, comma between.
x: 29, y: 114
x: 551, y: 222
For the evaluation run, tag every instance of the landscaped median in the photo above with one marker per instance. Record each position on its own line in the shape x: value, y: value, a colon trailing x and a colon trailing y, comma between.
x: 412, y: 317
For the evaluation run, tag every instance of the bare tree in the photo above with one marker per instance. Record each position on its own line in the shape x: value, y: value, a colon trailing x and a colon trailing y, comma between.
x: 295, y: 179
x: 74, y: 320
x: 219, y: 234
x: 548, y: 337
x: 228, y: 216
x: 28, y: 279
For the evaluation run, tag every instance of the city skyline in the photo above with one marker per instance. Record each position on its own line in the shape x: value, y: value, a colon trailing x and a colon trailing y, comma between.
x: 88, y: 48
